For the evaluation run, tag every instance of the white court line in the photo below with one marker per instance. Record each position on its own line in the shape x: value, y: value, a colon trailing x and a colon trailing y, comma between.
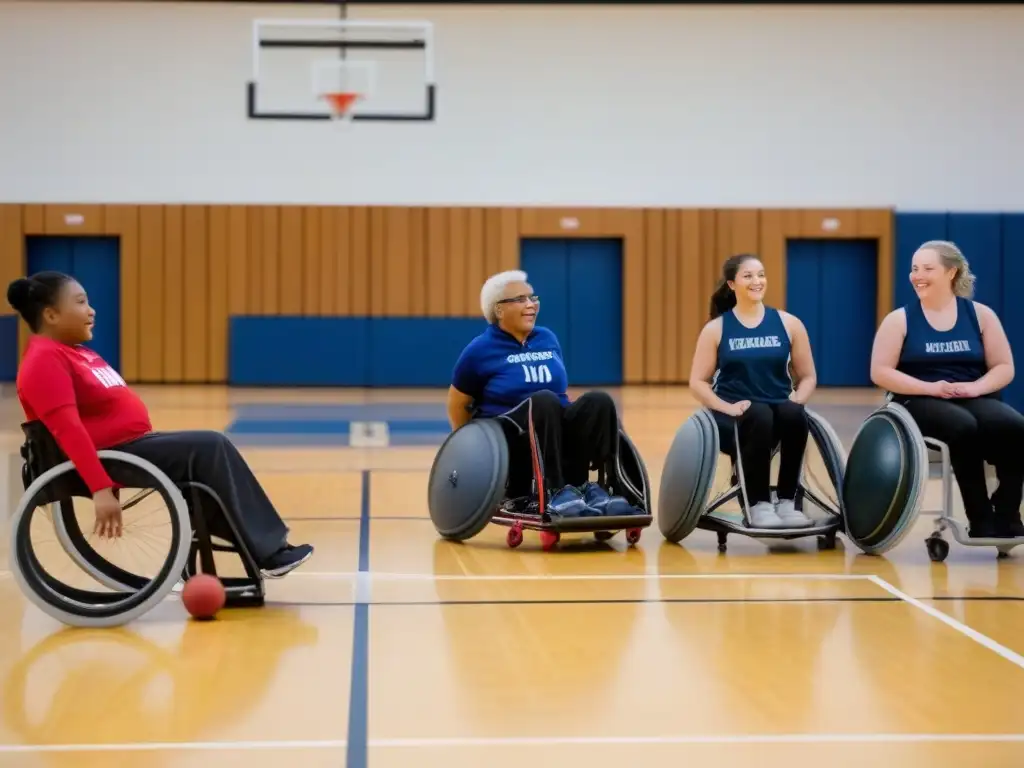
x: 545, y: 741
x: 581, y: 577
x: 945, y: 618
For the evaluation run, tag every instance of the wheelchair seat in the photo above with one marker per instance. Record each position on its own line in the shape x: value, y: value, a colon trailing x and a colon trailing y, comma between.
x: 200, y: 526
x: 468, y: 484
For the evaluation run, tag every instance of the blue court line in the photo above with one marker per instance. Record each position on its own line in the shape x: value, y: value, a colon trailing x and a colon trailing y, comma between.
x: 358, y: 699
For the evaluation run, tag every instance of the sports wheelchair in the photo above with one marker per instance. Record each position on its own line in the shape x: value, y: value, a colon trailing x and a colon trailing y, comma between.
x: 200, y: 526
x: 891, y: 433
x: 689, y: 474
x: 468, y: 483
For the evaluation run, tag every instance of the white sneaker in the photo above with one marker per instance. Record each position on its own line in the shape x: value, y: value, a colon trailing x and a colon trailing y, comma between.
x: 763, y: 515
x: 791, y: 516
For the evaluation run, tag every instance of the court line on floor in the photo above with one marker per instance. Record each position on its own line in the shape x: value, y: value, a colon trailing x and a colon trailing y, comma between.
x: 510, y: 741
x: 945, y: 618
x: 356, y: 752
x: 385, y: 576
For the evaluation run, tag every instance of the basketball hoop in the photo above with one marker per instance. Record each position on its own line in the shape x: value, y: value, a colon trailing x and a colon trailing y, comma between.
x: 341, y: 103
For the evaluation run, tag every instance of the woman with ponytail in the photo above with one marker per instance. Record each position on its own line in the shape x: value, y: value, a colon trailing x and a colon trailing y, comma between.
x: 741, y: 372
x: 945, y: 358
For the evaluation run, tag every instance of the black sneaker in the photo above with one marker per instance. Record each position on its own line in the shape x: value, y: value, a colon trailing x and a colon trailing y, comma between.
x: 286, y: 560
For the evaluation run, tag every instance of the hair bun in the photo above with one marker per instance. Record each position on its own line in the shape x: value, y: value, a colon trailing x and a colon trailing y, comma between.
x: 19, y: 293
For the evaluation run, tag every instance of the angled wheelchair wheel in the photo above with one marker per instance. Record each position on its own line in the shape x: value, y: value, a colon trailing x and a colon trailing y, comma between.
x: 468, y: 479
x: 67, y: 590
x: 687, y: 476
x: 884, y: 484
x: 631, y: 480
x: 821, y: 480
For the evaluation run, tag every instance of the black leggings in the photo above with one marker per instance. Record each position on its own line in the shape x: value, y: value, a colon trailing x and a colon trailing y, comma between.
x: 762, y: 427
x: 571, y: 440
x: 210, y: 458
x: 977, y: 430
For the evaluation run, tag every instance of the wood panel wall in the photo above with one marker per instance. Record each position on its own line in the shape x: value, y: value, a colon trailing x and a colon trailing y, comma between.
x: 186, y: 268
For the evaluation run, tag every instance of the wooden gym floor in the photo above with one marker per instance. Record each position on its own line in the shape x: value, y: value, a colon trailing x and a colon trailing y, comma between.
x: 392, y: 648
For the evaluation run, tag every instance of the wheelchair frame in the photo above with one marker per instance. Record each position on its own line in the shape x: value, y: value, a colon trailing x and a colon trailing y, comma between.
x: 519, y: 514
x: 523, y: 513
x: 50, y: 478
x: 937, y: 546
x: 709, y: 521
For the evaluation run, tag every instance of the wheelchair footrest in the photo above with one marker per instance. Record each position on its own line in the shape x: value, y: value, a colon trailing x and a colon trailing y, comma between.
x: 712, y: 522
x: 572, y: 524
x: 594, y: 524
x: 243, y: 592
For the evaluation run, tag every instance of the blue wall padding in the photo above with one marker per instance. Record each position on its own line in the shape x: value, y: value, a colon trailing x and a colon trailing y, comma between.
x: 979, y: 236
x: 417, y: 351
x: 912, y: 229
x: 298, y: 351
x: 1013, y: 307
x: 346, y: 351
x: 9, y: 356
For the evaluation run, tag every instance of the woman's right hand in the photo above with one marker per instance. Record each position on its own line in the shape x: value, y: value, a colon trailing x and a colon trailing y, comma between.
x: 942, y: 389
x: 108, y: 514
x: 738, y: 409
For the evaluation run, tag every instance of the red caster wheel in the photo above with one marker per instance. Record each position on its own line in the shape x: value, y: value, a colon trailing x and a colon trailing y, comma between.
x: 515, y: 537
x: 548, y: 540
x: 633, y: 535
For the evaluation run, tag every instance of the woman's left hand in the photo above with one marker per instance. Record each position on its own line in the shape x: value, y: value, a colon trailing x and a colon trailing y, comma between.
x: 796, y: 397
x: 967, y: 390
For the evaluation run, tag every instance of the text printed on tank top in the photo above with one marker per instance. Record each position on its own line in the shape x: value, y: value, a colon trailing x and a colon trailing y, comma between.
x: 754, y: 342
x: 941, y: 347
x: 108, y: 377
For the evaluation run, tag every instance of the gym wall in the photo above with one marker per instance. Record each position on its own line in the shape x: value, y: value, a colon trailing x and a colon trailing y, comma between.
x: 194, y: 279
x: 687, y: 132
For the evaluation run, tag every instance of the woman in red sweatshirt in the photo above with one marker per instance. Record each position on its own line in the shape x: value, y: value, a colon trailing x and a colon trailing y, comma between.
x: 87, y: 406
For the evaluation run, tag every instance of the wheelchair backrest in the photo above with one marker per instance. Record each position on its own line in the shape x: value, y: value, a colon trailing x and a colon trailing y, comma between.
x: 40, y: 451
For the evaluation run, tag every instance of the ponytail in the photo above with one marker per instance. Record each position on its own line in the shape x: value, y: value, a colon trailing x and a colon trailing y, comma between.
x: 722, y: 300
x: 724, y: 297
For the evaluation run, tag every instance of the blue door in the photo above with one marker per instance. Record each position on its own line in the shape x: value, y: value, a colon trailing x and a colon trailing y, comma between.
x: 95, y: 262
x: 832, y: 286
x: 579, y: 282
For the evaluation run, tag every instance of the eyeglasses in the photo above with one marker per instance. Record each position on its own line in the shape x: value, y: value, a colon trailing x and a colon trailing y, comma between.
x: 532, y: 298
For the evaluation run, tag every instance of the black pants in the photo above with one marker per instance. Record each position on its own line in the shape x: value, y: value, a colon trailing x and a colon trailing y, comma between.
x: 210, y: 458
x: 761, y: 428
x: 977, y: 430
x: 571, y: 440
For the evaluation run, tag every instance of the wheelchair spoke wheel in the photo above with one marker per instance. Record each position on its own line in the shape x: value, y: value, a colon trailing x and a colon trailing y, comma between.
x: 81, y: 579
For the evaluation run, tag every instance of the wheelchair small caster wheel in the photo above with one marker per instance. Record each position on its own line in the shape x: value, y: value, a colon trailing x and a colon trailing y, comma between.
x: 722, y: 538
x: 515, y: 537
x: 548, y: 540
x: 604, y: 535
x: 938, y: 549
x: 632, y: 536
x: 827, y: 542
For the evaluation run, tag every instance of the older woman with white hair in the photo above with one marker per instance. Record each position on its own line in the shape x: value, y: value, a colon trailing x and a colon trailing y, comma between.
x: 945, y: 358
x: 515, y: 362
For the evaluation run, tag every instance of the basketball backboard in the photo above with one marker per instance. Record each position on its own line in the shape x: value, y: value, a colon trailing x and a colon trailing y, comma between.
x: 300, y: 66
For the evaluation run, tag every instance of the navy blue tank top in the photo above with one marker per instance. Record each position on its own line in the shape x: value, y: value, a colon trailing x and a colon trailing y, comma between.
x: 753, y: 363
x: 956, y: 355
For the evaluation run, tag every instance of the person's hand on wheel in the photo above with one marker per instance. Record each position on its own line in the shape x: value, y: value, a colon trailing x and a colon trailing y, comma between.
x: 108, y: 514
